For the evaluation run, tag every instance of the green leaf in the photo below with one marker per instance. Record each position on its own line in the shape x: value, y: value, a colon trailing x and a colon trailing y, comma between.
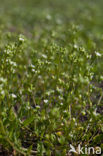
x: 28, y: 121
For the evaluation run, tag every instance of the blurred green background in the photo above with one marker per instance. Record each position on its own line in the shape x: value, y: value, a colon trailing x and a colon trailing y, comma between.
x: 22, y: 15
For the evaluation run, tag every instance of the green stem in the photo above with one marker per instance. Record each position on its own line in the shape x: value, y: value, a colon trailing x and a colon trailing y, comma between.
x: 7, y: 138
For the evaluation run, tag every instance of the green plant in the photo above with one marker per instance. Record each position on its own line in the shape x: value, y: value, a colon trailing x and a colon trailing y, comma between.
x: 50, y: 78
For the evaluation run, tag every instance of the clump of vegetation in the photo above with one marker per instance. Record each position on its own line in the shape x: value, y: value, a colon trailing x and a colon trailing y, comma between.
x: 50, y: 77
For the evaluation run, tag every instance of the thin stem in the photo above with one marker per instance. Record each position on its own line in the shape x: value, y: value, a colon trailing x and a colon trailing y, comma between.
x: 99, y: 101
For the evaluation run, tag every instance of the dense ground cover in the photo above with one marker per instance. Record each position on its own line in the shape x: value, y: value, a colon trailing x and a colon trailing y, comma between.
x: 51, y: 76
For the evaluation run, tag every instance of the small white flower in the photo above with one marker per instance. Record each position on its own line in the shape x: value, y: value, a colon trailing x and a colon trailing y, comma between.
x: 38, y: 107
x: 75, y: 46
x: 48, y: 17
x: 32, y: 66
x: 45, y: 101
x: 44, y: 56
x: 3, y: 79
x: 2, y: 92
x: 61, y: 104
x: 98, y: 54
x: 21, y: 38
x: 13, y: 95
x: 33, y: 70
